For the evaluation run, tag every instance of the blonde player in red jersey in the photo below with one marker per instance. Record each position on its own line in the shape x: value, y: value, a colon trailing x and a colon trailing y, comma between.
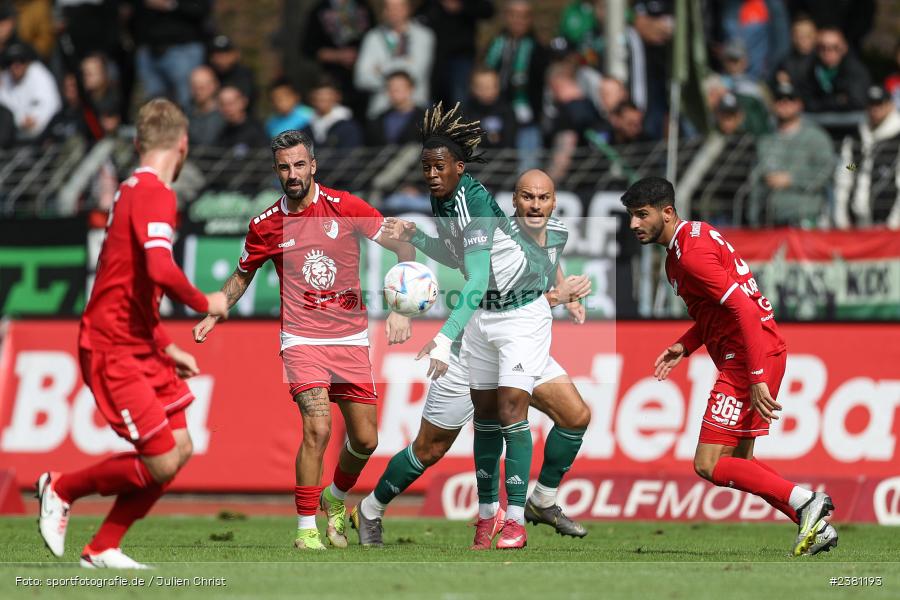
x: 312, y: 235
x: 132, y: 367
x: 737, y: 325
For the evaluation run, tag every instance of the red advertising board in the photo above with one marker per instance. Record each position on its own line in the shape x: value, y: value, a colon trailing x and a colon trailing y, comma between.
x: 841, y: 398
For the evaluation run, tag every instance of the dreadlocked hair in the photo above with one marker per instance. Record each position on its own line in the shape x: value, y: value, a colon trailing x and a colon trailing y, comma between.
x: 445, y: 129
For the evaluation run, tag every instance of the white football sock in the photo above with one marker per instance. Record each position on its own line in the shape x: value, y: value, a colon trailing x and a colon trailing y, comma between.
x: 371, y: 508
x: 306, y: 521
x: 516, y: 513
x: 339, y: 494
x: 799, y: 497
x: 543, y: 496
x: 486, y: 511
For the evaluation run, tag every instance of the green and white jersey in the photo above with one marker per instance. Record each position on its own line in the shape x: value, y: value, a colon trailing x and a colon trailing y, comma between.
x: 471, y: 220
x: 557, y: 236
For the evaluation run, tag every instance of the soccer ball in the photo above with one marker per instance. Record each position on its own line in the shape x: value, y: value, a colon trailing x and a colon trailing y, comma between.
x: 410, y: 289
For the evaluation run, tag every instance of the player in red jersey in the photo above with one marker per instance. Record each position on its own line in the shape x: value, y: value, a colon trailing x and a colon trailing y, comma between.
x: 311, y: 234
x: 132, y: 367
x: 737, y: 325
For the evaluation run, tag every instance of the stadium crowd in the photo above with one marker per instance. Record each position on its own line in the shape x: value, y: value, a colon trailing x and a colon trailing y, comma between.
x: 788, y: 72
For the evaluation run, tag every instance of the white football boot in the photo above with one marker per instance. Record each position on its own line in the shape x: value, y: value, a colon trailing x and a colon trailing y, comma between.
x: 54, y: 516
x: 111, y: 558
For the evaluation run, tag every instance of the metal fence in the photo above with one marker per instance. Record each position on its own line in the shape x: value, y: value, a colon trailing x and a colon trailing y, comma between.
x: 714, y: 173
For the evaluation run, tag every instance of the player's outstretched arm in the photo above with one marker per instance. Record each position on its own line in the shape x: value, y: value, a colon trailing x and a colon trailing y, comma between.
x: 232, y: 290
x: 575, y: 307
x: 668, y: 360
x: 163, y: 271
x: 478, y: 268
x: 397, y: 327
x: 406, y: 231
x: 185, y: 363
x: 763, y: 402
x: 572, y: 289
x: 404, y: 250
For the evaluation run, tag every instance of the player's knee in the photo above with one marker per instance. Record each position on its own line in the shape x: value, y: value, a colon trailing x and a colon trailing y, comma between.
x: 704, y: 467
x: 185, y: 451
x: 164, y: 468
x: 579, y: 418
x: 430, y: 451
x: 316, y: 434
x: 365, y: 444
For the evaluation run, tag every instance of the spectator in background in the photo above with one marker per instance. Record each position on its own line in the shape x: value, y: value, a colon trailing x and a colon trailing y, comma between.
x: 332, y: 125
x: 242, y: 133
x: 756, y: 115
x: 98, y: 26
x: 761, y: 26
x: 736, y: 77
x: 225, y: 59
x: 455, y: 26
x: 90, y: 26
x: 875, y: 148
x: 803, y: 45
x: 577, y: 120
x: 795, y: 164
x: 287, y: 110
x: 892, y: 82
x: 169, y: 36
x: 582, y: 27
x: 118, y: 152
x: 400, y: 123
x: 98, y: 86
x: 69, y: 126
x: 486, y: 105
x: 654, y: 22
x: 835, y: 80
x: 205, y: 122
x: 28, y: 90
x: 7, y: 128
x: 729, y: 116
x: 627, y: 122
x: 853, y: 17
x: 610, y: 93
x: 8, y: 35
x: 35, y: 26
x: 520, y: 61
x: 398, y: 44
x: 334, y: 32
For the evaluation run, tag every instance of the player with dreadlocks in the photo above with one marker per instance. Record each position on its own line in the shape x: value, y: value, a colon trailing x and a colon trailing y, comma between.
x: 502, y: 311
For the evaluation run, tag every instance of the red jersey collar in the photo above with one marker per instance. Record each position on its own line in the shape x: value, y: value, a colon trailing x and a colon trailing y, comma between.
x: 284, y: 208
x: 152, y: 171
x: 675, y: 235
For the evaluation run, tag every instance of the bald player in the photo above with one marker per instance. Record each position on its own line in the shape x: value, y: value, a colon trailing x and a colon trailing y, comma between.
x: 448, y: 406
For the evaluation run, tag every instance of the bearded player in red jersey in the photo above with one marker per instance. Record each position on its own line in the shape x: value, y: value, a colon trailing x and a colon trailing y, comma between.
x: 737, y: 325
x: 311, y: 234
x: 132, y: 367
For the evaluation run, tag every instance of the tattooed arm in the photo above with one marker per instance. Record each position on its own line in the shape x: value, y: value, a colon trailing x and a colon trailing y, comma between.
x: 234, y: 288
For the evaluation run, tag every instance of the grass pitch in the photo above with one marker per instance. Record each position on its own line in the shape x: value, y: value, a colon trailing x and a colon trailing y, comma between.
x: 428, y: 558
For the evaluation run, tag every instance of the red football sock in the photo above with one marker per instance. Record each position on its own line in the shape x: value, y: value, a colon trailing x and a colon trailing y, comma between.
x: 306, y: 498
x: 777, y: 504
x: 127, y: 509
x: 118, y: 474
x: 748, y: 476
x: 344, y: 481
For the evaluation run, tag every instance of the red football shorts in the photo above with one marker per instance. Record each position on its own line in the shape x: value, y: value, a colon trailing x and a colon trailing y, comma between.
x: 140, y: 396
x: 345, y: 371
x: 729, y: 416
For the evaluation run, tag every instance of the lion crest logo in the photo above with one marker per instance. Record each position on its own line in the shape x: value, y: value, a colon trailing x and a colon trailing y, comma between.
x: 319, y: 270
